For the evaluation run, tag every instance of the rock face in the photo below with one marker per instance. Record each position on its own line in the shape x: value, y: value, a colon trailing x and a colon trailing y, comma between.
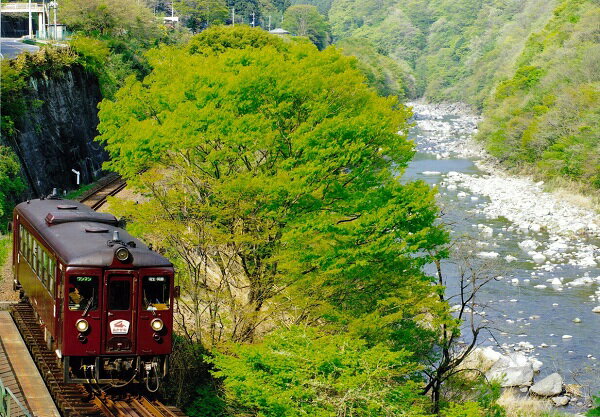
x: 57, y: 134
x: 548, y: 387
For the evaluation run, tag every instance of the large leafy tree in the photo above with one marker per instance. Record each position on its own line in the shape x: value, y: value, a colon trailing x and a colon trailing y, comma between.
x: 268, y: 173
x: 305, y: 20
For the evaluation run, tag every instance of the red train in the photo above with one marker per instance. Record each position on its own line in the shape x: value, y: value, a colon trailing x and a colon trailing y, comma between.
x: 103, y: 298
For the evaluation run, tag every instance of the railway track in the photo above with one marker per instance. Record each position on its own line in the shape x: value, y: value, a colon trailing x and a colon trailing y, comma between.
x: 107, y: 186
x: 75, y: 400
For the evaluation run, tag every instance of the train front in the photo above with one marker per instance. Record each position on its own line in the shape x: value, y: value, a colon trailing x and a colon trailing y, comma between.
x: 118, y: 312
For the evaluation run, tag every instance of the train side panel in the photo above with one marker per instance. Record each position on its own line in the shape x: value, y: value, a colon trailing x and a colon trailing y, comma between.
x: 36, y: 270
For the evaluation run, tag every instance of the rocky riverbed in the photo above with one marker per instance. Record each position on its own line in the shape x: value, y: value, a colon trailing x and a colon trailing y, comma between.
x: 545, y: 301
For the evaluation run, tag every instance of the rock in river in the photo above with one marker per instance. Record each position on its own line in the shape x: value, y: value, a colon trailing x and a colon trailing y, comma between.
x: 548, y: 387
x: 560, y: 401
x: 514, y: 370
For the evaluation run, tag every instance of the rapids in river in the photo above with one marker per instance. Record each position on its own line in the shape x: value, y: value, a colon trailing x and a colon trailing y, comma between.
x: 546, y: 250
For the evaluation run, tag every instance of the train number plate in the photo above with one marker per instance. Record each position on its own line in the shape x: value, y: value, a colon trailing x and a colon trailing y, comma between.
x: 119, y: 327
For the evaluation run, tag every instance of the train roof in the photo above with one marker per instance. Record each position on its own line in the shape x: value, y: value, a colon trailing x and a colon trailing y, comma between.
x: 82, y: 237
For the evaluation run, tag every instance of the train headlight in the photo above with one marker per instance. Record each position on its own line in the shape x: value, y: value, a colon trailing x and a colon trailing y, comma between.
x: 82, y: 325
x: 157, y: 325
x: 122, y: 254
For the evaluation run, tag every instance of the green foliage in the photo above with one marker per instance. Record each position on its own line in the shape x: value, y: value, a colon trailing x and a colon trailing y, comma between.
x: 384, y: 74
x: 199, y: 14
x: 5, y: 247
x: 487, y: 397
x: 594, y: 412
x: 270, y: 175
x: 548, y: 112
x: 466, y: 409
x: 207, y: 403
x: 214, y: 41
x: 111, y: 60
x: 322, y: 6
x: 11, y: 184
x: 305, y: 20
x: 301, y: 371
x: 115, y: 18
x: 458, y: 51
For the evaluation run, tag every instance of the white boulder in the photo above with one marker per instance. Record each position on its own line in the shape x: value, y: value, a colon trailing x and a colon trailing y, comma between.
x: 487, y: 255
x: 560, y: 401
x: 538, y: 258
x: 513, y: 370
x: 529, y: 245
x: 548, y: 387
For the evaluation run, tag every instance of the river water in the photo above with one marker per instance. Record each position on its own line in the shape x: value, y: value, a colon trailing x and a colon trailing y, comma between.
x: 546, y: 251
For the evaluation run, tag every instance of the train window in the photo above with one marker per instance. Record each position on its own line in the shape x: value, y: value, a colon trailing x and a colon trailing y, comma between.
x: 51, y: 269
x: 29, y: 247
x: 44, y: 267
x: 35, y: 257
x: 22, y: 238
x: 155, y: 292
x: 118, y: 295
x: 83, y: 293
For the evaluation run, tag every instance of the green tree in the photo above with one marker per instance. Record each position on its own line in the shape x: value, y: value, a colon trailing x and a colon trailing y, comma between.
x: 116, y: 18
x: 305, y: 20
x: 199, y: 14
x: 386, y: 75
x: 303, y: 372
x: 322, y: 6
x: 271, y: 181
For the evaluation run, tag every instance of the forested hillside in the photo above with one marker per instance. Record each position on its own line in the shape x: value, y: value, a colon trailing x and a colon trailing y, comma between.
x: 548, y: 112
x: 530, y: 67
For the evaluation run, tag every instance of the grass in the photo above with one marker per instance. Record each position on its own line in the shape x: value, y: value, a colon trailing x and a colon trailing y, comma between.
x: 517, y: 405
x: 78, y: 192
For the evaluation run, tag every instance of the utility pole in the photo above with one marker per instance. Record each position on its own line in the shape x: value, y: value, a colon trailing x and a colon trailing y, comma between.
x: 252, y: 19
x: 55, y: 30
x: 269, y: 23
x: 30, y: 22
x: 233, y: 16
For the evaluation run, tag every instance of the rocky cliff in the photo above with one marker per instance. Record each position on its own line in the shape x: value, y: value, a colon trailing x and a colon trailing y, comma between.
x: 57, y: 132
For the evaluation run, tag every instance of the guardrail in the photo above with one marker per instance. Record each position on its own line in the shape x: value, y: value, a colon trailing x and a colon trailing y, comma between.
x: 5, y: 398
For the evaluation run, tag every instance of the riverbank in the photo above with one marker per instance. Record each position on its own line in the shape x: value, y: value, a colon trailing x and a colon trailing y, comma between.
x: 544, y: 299
x: 575, y: 194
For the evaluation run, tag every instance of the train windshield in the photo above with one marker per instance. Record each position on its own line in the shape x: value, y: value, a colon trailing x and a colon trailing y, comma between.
x: 83, y: 293
x: 156, y: 293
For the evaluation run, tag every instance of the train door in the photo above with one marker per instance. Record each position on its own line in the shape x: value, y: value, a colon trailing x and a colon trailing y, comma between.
x: 120, y: 326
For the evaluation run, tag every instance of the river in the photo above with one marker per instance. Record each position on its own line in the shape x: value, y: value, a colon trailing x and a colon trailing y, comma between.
x: 547, y: 250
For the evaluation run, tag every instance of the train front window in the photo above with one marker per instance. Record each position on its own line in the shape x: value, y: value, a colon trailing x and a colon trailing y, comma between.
x: 83, y: 293
x: 156, y: 293
x: 118, y: 295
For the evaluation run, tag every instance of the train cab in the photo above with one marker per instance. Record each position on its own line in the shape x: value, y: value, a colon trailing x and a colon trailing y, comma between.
x: 104, y: 298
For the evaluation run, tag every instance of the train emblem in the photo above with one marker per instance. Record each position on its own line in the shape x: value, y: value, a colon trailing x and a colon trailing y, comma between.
x: 119, y: 327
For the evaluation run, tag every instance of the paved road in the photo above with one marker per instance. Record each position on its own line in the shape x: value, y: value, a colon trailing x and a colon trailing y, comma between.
x: 11, y: 47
